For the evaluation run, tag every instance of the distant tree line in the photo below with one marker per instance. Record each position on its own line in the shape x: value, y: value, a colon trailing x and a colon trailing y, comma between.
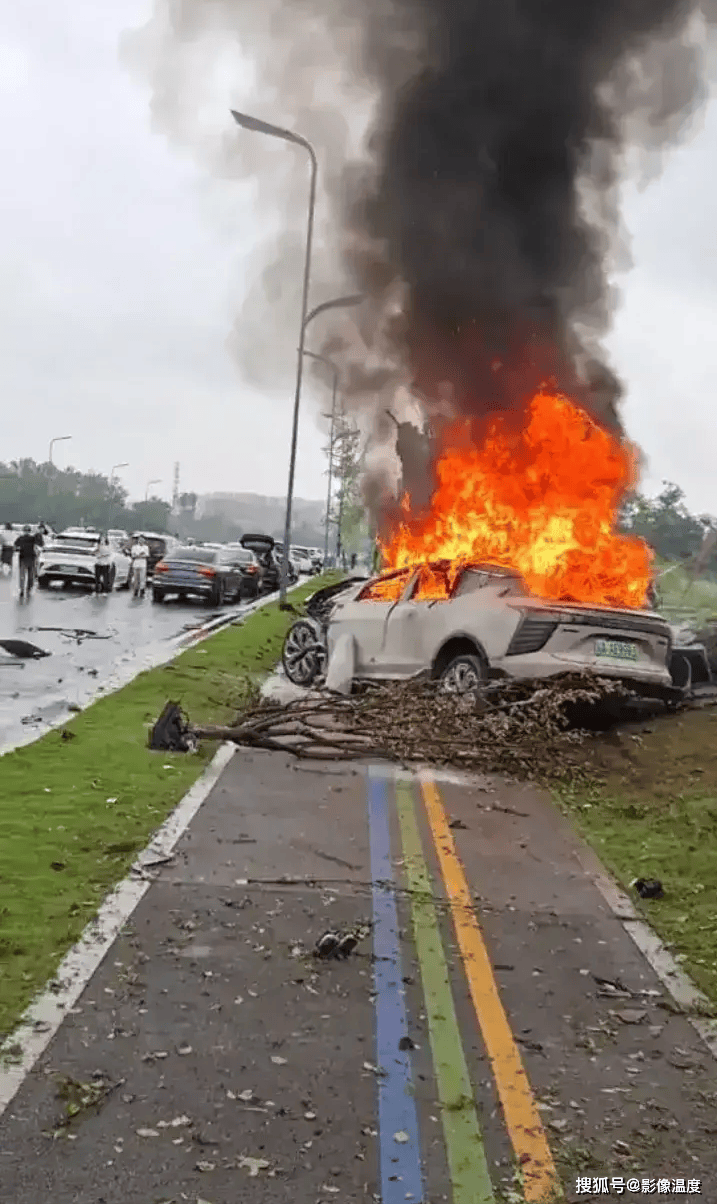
x: 668, y: 526
x: 30, y: 492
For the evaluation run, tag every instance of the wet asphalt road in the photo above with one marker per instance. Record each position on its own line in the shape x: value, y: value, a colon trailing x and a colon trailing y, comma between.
x: 95, y: 642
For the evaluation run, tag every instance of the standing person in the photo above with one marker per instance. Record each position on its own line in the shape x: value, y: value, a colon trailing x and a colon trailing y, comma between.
x: 140, y: 556
x: 103, y: 566
x: 26, y: 545
x: 7, y: 550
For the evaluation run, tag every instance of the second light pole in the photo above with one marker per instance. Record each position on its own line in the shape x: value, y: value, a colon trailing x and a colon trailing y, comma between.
x: 329, y: 364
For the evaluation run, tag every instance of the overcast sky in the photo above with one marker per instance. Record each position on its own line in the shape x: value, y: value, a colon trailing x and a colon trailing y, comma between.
x: 122, y: 263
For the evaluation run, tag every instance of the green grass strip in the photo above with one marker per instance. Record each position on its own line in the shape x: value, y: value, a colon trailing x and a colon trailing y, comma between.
x: 75, y: 812
x: 464, y: 1142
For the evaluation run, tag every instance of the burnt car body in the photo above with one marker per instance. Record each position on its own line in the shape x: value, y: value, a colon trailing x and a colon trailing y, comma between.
x: 467, y: 624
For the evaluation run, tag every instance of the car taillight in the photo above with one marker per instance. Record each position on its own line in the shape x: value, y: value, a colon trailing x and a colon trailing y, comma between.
x: 533, y: 633
x: 251, y: 568
x: 207, y: 572
x: 161, y: 567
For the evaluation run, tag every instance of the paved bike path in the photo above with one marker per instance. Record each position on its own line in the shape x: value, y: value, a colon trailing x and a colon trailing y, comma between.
x: 469, y: 1049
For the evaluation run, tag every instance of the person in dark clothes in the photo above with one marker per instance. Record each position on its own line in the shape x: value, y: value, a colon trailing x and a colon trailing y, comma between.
x: 26, y: 546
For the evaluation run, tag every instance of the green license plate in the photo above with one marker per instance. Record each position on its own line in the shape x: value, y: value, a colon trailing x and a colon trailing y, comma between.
x: 616, y: 650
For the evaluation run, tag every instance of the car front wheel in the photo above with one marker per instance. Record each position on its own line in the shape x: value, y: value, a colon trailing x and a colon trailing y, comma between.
x: 303, y: 655
x: 464, y: 674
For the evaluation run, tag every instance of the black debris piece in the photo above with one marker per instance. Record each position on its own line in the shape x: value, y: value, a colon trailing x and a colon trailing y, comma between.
x: 649, y: 888
x: 23, y: 649
x: 171, y: 731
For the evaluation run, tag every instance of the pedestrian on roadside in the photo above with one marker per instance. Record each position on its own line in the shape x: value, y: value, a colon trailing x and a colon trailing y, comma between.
x: 103, y: 567
x: 7, y: 549
x: 26, y: 546
x: 140, y: 557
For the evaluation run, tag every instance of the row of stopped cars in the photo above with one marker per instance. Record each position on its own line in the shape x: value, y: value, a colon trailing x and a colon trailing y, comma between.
x: 465, y: 624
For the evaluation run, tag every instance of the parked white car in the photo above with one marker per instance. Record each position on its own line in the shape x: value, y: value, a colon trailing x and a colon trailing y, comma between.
x: 70, y: 558
x: 467, y: 624
x: 302, y: 559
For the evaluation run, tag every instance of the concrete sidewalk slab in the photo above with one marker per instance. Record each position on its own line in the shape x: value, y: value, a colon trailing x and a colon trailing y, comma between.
x: 213, y: 1058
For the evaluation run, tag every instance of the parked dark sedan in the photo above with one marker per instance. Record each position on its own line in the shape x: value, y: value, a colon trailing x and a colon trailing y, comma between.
x: 251, y: 569
x: 212, y: 573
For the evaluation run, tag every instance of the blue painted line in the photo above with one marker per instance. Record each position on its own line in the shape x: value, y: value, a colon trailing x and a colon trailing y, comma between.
x: 400, y: 1161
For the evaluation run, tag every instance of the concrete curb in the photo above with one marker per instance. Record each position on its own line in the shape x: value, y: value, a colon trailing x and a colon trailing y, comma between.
x: 689, y: 999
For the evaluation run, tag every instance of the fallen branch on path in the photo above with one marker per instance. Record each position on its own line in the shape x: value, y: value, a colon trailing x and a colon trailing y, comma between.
x: 520, y: 728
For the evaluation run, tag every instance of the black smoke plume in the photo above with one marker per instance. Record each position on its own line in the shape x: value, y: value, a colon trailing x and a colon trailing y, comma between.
x: 504, y: 133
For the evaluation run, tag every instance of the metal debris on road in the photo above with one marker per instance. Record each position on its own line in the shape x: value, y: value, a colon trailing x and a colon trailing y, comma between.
x: 340, y: 944
x: 523, y: 729
x: 254, y: 1165
x: 23, y: 650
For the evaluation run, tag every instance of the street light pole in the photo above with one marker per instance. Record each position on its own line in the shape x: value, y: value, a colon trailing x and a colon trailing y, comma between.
x: 112, y: 474
x: 155, y: 481
x: 330, y: 364
x: 57, y: 439
x: 274, y: 131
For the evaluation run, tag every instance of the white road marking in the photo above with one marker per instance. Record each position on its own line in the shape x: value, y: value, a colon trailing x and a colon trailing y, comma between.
x: 41, y: 1021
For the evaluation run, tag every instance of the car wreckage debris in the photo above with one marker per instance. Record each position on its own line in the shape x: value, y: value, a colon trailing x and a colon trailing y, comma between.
x: 649, y: 888
x: 171, y: 732
x: 524, y: 729
x: 340, y: 945
x: 23, y: 649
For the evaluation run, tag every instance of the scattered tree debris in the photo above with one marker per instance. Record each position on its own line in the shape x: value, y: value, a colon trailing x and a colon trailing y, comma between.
x: 523, y: 729
x: 79, y: 1097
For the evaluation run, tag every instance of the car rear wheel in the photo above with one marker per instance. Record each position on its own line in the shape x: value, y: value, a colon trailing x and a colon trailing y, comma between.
x: 158, y: 595
x: 464, y: 674
x: 218, y: 594
x: 303, y: 655
x: 43, y: 583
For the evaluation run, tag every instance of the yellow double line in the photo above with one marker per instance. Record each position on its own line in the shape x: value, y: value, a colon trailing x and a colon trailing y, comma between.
x: 539, y: 1176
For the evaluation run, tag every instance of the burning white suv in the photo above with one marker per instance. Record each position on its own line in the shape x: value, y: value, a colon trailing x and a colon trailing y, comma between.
x: 71, y: 557
x: 466, y: 624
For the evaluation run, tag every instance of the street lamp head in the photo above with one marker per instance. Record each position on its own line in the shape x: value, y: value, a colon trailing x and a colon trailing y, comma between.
x: 264, y: 127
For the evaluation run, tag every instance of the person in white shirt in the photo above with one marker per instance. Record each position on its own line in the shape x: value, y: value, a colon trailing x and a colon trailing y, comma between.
x: 140, y: 555
x: 7, y: 548
x: 103, y: 566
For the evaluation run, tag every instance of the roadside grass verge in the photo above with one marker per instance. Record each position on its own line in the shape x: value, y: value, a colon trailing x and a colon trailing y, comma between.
x: 685, y: 597
x: 75, y: 812
x: 652, y: 813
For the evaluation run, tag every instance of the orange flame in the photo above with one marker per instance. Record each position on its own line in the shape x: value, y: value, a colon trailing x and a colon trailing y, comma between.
x: 542, y: 500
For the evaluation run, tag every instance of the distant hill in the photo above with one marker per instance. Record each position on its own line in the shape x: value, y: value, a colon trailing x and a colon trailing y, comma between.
x: 254, y: 512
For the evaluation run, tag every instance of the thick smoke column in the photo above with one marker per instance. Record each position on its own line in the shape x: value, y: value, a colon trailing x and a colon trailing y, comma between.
x: 482, y: 219
x: 501, y: 144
